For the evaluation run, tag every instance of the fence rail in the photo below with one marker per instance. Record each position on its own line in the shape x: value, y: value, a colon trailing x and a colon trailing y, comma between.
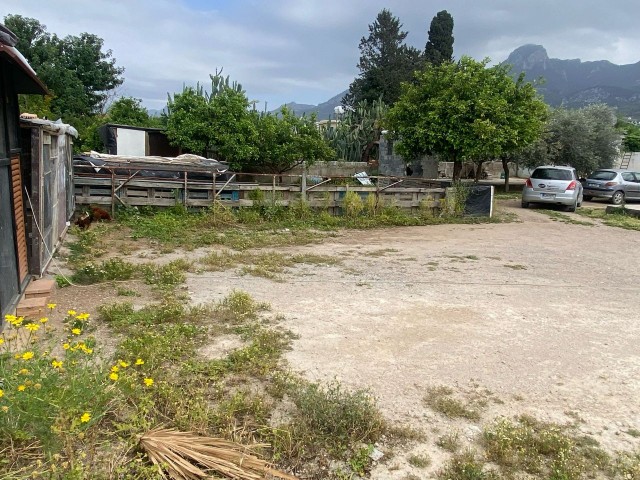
x: 132, y: 190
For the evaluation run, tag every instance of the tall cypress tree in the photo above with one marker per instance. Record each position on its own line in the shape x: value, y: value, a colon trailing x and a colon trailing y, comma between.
x: 385, y: 62
x: 439, y: 47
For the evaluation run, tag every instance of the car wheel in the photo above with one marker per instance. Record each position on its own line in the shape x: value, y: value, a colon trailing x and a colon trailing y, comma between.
x: 587, y: 198
x: 580, y: 200
x: 525, y: 204
x: 618, y: 198
x: 572, y: 208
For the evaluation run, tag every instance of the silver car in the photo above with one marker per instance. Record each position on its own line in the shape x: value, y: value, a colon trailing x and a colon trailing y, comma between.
x: 615, y: 184
x: 553, y: 185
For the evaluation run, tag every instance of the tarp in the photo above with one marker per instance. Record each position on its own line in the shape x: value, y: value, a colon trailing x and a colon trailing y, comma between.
x: 479, y: 202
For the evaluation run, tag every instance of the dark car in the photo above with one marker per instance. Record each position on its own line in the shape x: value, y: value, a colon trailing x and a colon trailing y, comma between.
x: 614, y: 184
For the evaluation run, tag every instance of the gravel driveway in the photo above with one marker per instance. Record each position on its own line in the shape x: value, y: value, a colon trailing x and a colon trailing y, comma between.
x: 537, y: 316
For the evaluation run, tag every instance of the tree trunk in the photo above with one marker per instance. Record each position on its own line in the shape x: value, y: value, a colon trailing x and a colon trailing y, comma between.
x: 478, y: 172
x: 457, y: 170
x: 505, y: 167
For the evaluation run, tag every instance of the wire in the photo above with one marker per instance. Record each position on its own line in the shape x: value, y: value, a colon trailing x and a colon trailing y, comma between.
x: 44, y: 242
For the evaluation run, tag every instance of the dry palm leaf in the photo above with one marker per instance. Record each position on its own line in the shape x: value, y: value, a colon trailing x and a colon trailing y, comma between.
x: 187, y: 456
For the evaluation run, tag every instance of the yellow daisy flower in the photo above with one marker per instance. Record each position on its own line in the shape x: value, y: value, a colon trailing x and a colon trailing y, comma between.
x: 86, y: 416
x: 32, y: 327
x: 148, y: 382
x: 71, y: 312
x: 76, y: 331
x: 123, y: 364
x: 27, y: 355
x: 44, y: 320
x: 21, y: 388
x: 115, y: 369
x: 56, y: 364
x: 139, y: 361
x: 51, y: 306
x: 113, y: 376
x: 66, y: 346
x: 1, y: 393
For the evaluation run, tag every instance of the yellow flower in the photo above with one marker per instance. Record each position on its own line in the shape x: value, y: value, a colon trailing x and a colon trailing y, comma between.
x: 76, y: 331
x: 24, y: 371
x: 86, y: 416
x: 82, y: 316
x: 139, y: 362
x: 1, y: 393
x: 32, y: 327
x: 56, y: 364
x: 21, y: 388
x: 44, y: 320
x: 115, y: 369
x: 66, y: 346
x: 86, y: 350
x: 71, y: 312
x: 123, y: 364
x: 5, y: 409
x: 113, y: 376
x: 10, y: 318
x: 1, y: 340
x: 27, y: 355
x: 16, y: 356
x: 148, y: 382
x: 51, y: 306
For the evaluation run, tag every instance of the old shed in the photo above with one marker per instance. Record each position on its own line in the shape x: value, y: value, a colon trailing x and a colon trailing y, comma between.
x: 16, y: 76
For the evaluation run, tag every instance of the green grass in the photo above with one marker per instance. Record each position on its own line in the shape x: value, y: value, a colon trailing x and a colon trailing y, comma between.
x: 542, y: 449
x: 419, y: 461
x: 441, y: 400
x: 270, y: 265
x: 561, y: 217
x: 618, y: 219
x: 450, y: 442
x: 515, y: 266
x: 266, y: 225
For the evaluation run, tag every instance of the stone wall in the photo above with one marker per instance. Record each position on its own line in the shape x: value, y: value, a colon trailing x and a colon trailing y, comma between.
x: 393, y: 164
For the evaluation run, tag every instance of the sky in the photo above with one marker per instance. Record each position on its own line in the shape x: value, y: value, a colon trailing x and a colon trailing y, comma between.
x: 307, y: 50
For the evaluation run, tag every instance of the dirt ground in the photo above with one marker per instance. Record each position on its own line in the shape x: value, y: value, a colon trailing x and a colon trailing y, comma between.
x: 537, y: 317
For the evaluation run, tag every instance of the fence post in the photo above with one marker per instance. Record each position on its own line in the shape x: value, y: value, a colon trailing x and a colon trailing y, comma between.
x: 303, y: 182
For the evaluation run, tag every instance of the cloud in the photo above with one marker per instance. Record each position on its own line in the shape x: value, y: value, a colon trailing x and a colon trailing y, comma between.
x: 307, y: 50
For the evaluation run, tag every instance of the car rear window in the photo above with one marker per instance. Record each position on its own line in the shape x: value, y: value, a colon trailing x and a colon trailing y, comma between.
x: 551, y: 174
x: 602, y: 175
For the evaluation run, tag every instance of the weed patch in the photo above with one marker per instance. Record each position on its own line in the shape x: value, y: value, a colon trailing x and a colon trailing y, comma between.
x: 618, y: 219
x: 441, y: 400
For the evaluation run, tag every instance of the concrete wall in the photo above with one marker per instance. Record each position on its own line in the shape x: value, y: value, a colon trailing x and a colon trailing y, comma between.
x: 634, y: 164
x: 333, y: 169
x: 393, y: 164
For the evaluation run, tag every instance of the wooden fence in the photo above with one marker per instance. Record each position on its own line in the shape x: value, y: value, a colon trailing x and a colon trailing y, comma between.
x: 409, y: 194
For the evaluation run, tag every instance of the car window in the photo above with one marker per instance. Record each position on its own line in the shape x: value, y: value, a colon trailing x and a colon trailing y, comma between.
x: 637, y: 174
x: 602, y: 175
x: 628, y: 177
x: 552, y: 174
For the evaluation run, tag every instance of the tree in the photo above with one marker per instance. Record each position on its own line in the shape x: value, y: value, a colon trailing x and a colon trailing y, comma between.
x: 385, y: 62
x: 631, y: 132
x: 129, y: 111
x: 75, y: 69
x: 285, y: 141
x: 355, y: 134
x: 217, y: 124
x: 439, y: 47
x: 465, y: 111
x: 585, y: 139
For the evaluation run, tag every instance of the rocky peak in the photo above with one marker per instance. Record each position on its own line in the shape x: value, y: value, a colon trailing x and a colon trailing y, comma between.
x: 528, y: 57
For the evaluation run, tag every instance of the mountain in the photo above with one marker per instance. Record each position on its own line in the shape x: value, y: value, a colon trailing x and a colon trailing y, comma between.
x: 323, y: 110
x: 574, y: 84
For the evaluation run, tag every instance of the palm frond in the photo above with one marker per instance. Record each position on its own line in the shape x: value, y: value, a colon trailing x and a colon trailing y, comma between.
x: 187, y: 456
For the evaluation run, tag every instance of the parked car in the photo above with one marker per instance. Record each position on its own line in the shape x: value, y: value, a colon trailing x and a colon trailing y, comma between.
x: 553, y: 185
x: 615, y: 184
